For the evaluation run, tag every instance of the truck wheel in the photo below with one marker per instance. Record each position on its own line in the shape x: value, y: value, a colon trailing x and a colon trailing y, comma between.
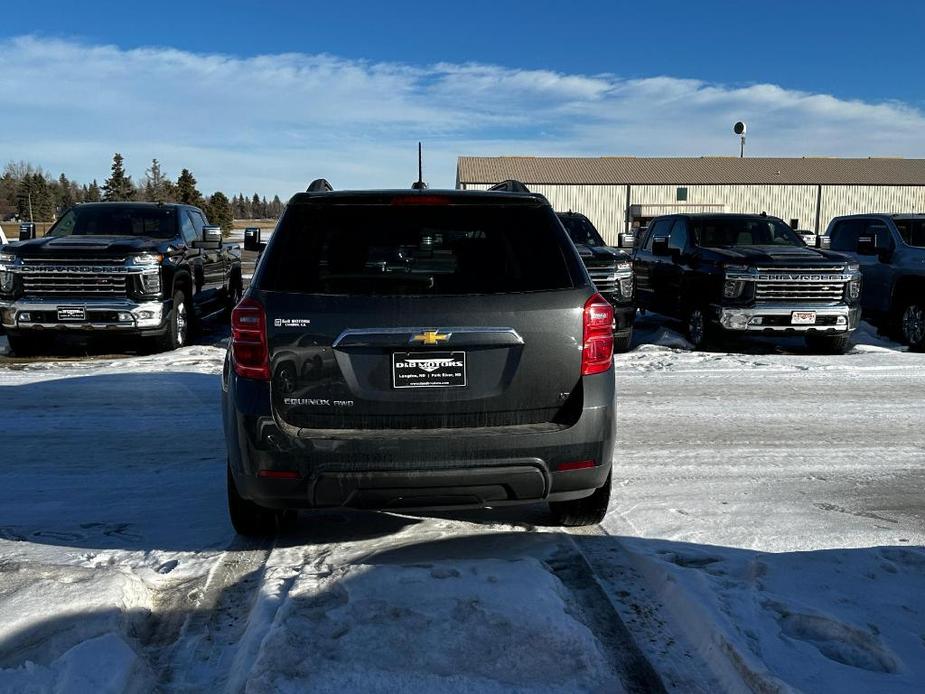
x: 700, y: 332
x: 235, y: 290
x: 23, y: 345
x: 178, y: 325
x: 588, y: 511
x: 247, y: 518
x: 912, y: 326
x: 828, y: 344
x: 622, y: 341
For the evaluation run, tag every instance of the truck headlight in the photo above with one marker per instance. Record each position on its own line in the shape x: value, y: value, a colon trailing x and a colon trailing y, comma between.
x: 7, y: 257
x: 854, y: 289
x: 145, y: 259
x: 151, y: 282
x: 734, y: 284
x: 732, y: 289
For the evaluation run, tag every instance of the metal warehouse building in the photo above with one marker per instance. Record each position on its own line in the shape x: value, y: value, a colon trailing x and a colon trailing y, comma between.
x: 617, y: 193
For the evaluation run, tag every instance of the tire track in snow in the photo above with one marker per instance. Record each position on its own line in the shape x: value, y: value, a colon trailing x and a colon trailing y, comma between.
x: 199, y: 624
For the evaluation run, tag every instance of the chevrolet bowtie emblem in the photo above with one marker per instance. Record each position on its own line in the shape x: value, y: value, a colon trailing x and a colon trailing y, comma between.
x: 431, y: 337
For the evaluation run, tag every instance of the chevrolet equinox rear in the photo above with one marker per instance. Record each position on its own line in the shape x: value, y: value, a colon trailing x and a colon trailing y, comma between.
x: 419, y: 349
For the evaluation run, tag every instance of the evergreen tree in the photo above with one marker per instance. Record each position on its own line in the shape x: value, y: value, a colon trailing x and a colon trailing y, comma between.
x: 33, y: 193
x: 276, y: 207
x: 155, y: 187
x: 93, y: 192
x: 255, y: 207
x: 220, y: 211
x: 186, y: 189
x: 65, y: 193
x: 118, y: 186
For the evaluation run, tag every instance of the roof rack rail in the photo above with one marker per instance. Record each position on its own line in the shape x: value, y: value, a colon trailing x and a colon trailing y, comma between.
x: 510, y: 186
x: 319, y: 185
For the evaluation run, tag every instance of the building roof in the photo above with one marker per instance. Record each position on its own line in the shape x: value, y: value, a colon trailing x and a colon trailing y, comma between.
x: 692, y: 170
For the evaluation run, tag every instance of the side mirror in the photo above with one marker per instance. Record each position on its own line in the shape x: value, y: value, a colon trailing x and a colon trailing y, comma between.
x: 824, y: 242
x: 252, y: 239
x: 626, y: 240
x: 660, y: 246
x: 211, y: 238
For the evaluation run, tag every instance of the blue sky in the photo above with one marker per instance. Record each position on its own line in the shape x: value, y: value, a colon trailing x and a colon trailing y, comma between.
x: 263, y: 96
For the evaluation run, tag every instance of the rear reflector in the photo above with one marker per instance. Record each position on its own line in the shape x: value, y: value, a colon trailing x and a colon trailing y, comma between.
x: 597, y: 347
x: 576, y: 465
x: 279, y: 474
x: 249, y: 340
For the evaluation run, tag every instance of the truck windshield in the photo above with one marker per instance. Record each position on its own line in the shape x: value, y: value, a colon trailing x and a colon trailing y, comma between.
x: 370, y: 249
x: 155, y: 222
x: 716, y: 232
x: 912, y: 231
x: 581, y: 230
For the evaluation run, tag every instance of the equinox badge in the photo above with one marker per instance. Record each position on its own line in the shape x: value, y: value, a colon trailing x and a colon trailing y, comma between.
x: 431, y: 337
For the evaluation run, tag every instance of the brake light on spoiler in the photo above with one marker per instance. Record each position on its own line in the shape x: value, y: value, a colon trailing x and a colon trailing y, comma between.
x: 597, y: 345
x: 249, y: 351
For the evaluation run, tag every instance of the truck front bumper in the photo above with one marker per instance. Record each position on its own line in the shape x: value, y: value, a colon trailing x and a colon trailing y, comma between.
x: 778, y: 318
x: 67, y: 314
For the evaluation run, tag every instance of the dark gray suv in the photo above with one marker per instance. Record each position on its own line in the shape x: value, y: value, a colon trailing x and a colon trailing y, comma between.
x: 419, y: 349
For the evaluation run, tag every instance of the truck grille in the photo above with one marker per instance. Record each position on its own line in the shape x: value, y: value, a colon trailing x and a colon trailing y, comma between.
x: 604, y: 277
x: 801, y: 283
x: 74, y: 284
x: 88, y: 276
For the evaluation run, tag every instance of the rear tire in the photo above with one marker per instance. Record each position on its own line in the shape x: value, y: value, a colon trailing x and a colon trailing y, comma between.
x: 587, y: 511
x: 23, y: 345
x: 247, y: 518
x: 622, y: 341
x: 829, y: 344
x: 912, y: 325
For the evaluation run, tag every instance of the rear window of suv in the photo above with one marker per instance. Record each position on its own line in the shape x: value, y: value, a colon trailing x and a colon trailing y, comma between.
x: 367, y: 249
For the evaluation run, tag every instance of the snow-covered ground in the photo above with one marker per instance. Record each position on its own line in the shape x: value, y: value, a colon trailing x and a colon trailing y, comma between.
x: 766, y: 533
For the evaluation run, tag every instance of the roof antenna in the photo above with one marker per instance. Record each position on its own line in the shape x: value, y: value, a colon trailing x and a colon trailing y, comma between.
x: 419, y: 184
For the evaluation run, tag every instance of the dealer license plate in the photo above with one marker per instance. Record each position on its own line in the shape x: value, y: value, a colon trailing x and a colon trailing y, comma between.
x: 72, y: 313
x: 428, y: 369
x: 803, y: 318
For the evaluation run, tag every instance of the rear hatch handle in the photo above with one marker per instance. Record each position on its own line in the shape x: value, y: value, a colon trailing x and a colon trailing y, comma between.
x: 428, y: 336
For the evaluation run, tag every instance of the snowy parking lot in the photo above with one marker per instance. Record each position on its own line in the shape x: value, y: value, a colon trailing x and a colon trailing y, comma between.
x: 766, y: 533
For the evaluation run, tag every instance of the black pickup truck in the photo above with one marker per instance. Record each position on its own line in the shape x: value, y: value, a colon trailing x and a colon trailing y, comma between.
x: 750, y: 274
x: 890, y: 248
x: 139, y: 269
x: 611, y: 270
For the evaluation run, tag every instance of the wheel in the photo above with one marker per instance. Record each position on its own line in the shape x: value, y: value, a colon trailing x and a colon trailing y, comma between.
x: 828, y: 344
x: 700, y: 332
x: 622, y: 341
x: 178, y: 325
x: 247, y: 518
x: 235, y: 290
x: 912, y: 325
x: 587, y: 511
x: 23, y: 345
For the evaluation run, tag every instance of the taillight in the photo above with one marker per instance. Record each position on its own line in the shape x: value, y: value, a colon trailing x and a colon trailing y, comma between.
x: 597, y: 348
x: 249, y: 352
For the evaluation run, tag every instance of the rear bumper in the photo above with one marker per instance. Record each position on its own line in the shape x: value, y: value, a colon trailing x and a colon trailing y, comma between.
x: 30, y: 315
x: 776, y: 318
x: 394, y: 469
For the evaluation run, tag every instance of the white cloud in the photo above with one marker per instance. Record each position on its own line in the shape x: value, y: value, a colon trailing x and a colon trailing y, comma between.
x: 271, y: 123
